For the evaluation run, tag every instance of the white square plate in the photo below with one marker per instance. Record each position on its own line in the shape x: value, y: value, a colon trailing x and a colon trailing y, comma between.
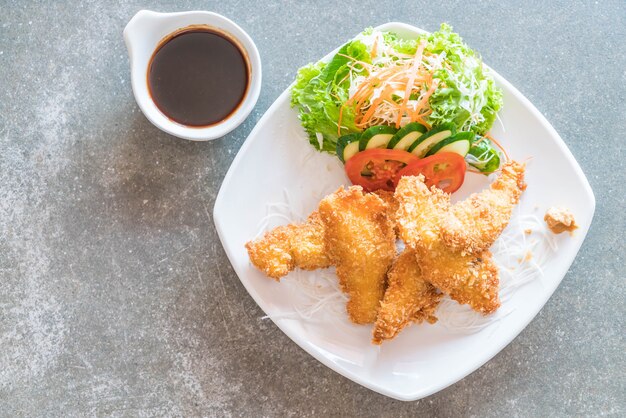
x: 277, y: 172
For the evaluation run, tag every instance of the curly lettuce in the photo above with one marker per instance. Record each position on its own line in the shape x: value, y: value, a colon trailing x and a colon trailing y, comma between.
x: 320, y: 91
x: 466, y: 95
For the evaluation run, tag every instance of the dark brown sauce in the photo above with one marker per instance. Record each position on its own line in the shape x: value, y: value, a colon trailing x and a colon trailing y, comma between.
x: 198, y: 76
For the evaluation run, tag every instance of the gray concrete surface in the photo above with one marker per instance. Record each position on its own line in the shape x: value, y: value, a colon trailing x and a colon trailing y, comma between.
x: 116, y: 298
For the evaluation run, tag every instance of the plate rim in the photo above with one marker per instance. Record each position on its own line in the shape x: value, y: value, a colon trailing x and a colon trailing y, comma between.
x: 491, y: 351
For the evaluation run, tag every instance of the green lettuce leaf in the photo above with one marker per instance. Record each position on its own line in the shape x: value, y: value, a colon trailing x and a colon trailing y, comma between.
x: 483, y: 156
x: 403, y: 46
x: 319, y: 92
x: 468, y: 96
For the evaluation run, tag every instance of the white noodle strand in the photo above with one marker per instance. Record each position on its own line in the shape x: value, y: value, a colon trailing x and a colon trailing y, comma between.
x: 520, y: 252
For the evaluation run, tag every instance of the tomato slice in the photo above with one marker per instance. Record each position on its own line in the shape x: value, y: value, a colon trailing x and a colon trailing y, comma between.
x: 445, y: 170
x: 376, y: 169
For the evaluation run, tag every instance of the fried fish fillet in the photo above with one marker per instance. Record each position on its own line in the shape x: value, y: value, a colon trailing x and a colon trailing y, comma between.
x: 360, y: 242
x: 392, y: 206
x: 408, y: 298
x: 468, y: 278
x: 290, y: 246
x: 475, y: 223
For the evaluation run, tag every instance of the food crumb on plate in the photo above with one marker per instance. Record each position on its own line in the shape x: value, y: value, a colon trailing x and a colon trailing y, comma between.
x: 560, y: 220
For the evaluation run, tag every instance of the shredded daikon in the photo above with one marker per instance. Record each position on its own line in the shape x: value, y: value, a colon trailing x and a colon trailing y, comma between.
x: 510, y: 252
x: 520, y: 252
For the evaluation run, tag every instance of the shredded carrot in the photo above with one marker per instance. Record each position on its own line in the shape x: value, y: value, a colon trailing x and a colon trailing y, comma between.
x: 413, y: 68
x: 422, y: 103
x: 492, y: 139
x: 427, y: 112
x: 340, y: 119
x: 423, y: 122
x: 344, y: 79
x: 356, y: 61
x: 376, y: 101
x: 429, y: 93
x: 482, y: 138
x: 369, y: 112
x: 383, y: 95
x: 374, y: 48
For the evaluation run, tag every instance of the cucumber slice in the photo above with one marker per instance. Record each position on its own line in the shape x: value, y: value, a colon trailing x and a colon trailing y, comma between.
x: 347, y: 146
x: 376, y: 137
x: 403, y: 139
x: 459, y: 147
x: 459, y: 143
x: 424, y: 143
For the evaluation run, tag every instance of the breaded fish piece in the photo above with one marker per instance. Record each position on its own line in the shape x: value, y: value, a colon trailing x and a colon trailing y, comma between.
x: 475, y: 223
x: 408, y: 298
x: 468, y: 279
x: 307, y: 244
x: 287, y: 247
x: 360, y: 242
x: 392, y: 206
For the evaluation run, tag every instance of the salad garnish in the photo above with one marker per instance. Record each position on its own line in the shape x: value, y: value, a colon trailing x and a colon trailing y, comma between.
x: 421, y: 96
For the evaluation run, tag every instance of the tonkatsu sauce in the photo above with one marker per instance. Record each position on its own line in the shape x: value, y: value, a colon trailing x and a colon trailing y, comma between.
x: 198, y: 76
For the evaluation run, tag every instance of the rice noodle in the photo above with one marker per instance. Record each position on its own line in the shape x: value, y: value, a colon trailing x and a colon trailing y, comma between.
x: 520, y: 252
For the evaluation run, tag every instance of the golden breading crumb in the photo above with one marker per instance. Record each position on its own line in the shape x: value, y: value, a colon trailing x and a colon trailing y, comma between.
x: 560, y: 220
x: 467, y: 278
x: 447, y: 248
x: 272, y: 253
x: 408, y: 298
x: 360, y: 243
x: 392, y: 206
x: 474, y: 224
x: 287, y: 247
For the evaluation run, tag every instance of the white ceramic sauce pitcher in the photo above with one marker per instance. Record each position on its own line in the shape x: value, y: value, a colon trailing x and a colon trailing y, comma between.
x: 143, y: 35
